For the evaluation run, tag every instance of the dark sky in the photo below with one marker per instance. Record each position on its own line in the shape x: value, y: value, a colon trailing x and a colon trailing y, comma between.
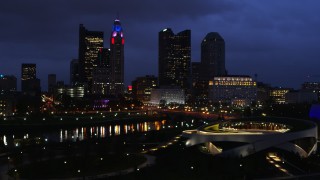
x: 277, y: 39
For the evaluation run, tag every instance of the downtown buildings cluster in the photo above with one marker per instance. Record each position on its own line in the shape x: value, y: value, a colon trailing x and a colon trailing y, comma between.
x: 97, y: 79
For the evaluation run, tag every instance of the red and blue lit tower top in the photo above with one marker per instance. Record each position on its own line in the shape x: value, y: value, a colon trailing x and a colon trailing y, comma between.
x: 117, y: 32
x: 117, y: 57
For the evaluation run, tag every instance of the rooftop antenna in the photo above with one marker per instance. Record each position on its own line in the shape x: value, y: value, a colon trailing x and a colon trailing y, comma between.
x: 117, y: 15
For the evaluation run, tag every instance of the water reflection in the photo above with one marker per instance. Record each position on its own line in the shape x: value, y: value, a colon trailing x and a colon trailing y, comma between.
x: 80, y: 134
x: 14, y: 138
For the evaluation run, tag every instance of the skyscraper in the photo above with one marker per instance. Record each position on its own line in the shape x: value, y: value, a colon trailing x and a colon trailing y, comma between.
x: 213, y: 56
x: 174, y: 58
x: 117, y: 58
x: 90, y: 42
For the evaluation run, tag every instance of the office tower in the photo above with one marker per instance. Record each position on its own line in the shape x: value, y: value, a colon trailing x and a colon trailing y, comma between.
x: 213, y: 56
x: 174, y: 58
x: 142, y: 86
x: 90, y: 42
x: 74, y: 72
x: 117, y: 57
x: 102, y: 83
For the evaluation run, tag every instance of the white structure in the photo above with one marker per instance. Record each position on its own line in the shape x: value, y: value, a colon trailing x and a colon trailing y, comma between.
x: 254, y: 135
x: 167, y: 96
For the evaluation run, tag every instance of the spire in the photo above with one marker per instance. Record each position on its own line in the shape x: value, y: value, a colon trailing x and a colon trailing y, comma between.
x: 117, y: 17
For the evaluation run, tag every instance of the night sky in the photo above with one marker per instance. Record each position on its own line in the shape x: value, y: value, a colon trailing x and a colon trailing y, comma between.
x: 277, y: 39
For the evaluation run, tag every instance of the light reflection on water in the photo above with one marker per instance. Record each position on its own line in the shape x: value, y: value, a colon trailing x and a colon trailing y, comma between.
x: 85, y: 132
x: 79, y: 134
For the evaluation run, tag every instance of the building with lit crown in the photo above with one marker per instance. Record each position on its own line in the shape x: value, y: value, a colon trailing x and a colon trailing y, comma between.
x: 117, y: 58
x: 235, y: 90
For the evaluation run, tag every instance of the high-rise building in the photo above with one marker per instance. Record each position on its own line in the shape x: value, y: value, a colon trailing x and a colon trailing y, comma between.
x: 142, y: 86
x: 174, y: 58
x: 52, y: 81
x: 90, y: 42
x: 74, y: 72
x: 102, y: 83
x: 213, y: 56
x: 117, y: 57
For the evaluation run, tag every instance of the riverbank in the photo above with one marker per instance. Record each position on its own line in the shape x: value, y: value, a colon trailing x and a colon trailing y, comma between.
x: 57, y: 121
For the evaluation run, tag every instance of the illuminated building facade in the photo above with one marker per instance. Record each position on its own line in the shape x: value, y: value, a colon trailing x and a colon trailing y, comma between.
x: 142, y: 87
x: 236, y: 90
x: 174, y: 58
x: 278, y: 95
x: 167, y: 95
x: 117, y: 58
x: 77, y: 91
x: 102, y: 83
x: 90, y: 42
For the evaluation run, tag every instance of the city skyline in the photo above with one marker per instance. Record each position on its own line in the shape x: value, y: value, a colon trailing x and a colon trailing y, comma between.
x: 263, y: 38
